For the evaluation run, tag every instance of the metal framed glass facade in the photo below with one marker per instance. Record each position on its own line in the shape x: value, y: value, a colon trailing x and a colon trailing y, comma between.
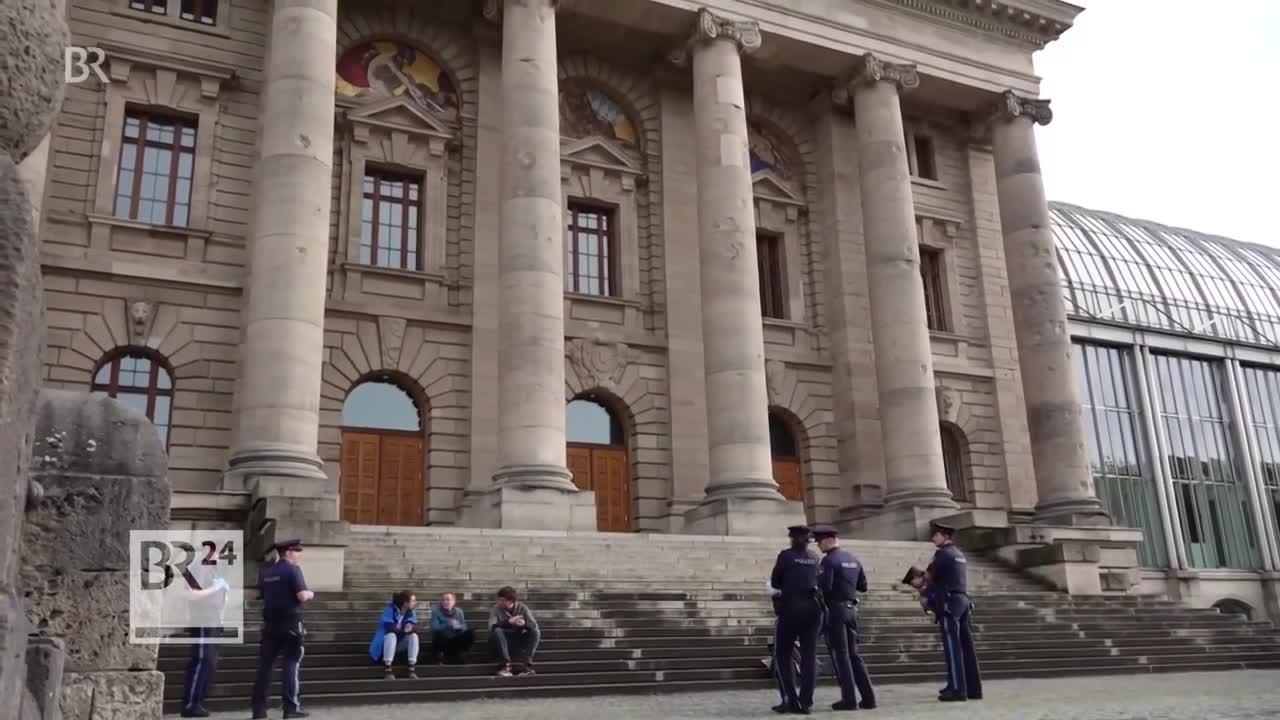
x: 1140, y: 273
x: 1208, y: 485
x: 1262, y: 393
x: 1121, y: 463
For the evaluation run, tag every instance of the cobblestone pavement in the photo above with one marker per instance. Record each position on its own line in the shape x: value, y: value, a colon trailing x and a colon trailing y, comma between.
x: 1239, y: 695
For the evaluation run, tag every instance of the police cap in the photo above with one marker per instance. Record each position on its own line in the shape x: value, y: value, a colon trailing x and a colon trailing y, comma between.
x: 282, y: 547
x: 799, y: 531
x: 825, y: 531
x: 937, y: 527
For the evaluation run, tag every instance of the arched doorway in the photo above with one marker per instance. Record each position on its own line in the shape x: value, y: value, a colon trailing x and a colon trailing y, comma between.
x: 597, y: 457
x: 953, y: 461
x: 787, y: 470
x: 383, y: 473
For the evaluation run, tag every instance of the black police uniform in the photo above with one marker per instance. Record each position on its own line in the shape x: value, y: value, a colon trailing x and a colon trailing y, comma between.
x: 282, y: 633
x: 840, y: 578
x: 949, y: 590
x: 799, y: 618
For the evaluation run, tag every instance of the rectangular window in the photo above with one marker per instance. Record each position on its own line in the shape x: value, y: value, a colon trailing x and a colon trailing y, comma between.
x: 926, y: 166
x: 389, y: 215
x: 773, y: 288
x: 204, y: 12
x: 157, y: 160
x: 1261, y: 398
x: 589, y: 246
x: 155, y: 7
x: 935, y: 305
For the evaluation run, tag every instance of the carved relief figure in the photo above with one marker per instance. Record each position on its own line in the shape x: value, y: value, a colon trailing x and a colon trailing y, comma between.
x: 139, y: 318
x: 589, y: 112
x: 598, y: 362
x: 387, y: 68
x: 770, y: 151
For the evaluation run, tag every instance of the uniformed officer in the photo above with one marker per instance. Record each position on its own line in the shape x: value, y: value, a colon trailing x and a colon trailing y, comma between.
x: 948, y: 589
x: 799, y: 618
x: 840, y: 578
x: 283, y: 593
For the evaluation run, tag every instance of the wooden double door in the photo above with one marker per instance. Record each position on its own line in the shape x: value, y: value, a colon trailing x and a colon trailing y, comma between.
x: 789, y: 476
x: 383, y: 479
x: 603, y: 470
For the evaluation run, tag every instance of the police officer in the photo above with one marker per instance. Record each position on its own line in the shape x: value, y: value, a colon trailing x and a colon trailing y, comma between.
x: 948, y: 589
x: 840, y: 578
x: 283, y: 593
x: 799, y: 618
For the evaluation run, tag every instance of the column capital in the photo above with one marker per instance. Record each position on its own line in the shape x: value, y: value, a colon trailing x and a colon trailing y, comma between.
x: 870, y: 70
x: 709, y: 26
x: 492, y: 9
x: 1012, y: 106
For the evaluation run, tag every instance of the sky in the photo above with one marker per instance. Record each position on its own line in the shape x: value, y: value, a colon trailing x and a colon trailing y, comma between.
x: 1168, y: 110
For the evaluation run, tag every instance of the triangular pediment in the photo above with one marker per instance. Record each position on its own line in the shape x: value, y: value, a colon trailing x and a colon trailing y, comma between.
x: 766, y: 184
x: 400, y: 113
x: 598, y: 152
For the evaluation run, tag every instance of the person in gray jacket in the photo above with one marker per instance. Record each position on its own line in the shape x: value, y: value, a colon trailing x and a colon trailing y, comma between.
x: 512, y: 627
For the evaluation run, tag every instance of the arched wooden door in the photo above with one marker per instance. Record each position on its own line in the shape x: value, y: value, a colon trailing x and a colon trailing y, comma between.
x: 597, y: 457
x: 383, y: 470
x: 787, y: 470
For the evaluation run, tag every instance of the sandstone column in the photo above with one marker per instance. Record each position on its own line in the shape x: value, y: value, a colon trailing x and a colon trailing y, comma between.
x: 914, y: 473
x: 283, y: 343
x: 742, y: 497
x: 533, y: 486
x: 278, y: 401
x: 1058, y: 452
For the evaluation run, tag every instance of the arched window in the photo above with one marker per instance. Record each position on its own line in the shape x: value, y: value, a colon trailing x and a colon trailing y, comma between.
x: 781, y: 440
x: 380, y: 404
x: 953, y: 461
x: 139, y: 379
x: 590, y: 423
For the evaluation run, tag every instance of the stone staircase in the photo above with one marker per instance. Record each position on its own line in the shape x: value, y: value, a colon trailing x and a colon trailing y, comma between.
x: 666, y: 613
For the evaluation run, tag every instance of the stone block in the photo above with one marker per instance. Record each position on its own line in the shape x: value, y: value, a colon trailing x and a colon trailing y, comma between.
x: 897, y: 523
x: 90, y: 611
x: 116, y: 695
x: 46, y: 658
x: 32, y: 68
x: 13, y: 646
x: 85, y: 519
x: 733, y: 516
x: 521, y: 508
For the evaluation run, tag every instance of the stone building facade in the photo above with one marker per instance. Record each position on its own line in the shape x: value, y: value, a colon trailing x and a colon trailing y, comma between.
x: 640, y: 265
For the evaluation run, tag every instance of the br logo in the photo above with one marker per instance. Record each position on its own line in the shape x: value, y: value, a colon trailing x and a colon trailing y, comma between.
x: 80, y: 61
x: 161, y: 554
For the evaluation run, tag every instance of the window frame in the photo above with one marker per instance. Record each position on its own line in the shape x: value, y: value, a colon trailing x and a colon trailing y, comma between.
x: 152, y: 391
x: 410, y: 237
x: 771, y: 268
x: 173, y: 14
x: 198, y: 12
x: 608, y: 262
x: 933, y: 279
x: 962, y: 489
x: 913, y: 134
x: 181, y: 122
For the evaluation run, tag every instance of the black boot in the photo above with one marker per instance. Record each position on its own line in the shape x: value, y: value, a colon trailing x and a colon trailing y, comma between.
x: 952, y: 696
x: 844, y: 705
x: 195, y: 712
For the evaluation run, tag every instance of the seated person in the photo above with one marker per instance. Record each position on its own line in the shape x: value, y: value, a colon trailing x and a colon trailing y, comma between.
x: 397, y: 634
x: 512, y: 624
x: 450, y: 637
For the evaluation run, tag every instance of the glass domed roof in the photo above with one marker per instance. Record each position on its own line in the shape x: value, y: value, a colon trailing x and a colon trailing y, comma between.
x: 1143, y: 274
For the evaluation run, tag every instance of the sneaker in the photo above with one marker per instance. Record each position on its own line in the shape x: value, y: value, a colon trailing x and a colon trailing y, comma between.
x: 388, y: 673
x: 505, y: 672
x: 527, y: 672
x: 413, y: 672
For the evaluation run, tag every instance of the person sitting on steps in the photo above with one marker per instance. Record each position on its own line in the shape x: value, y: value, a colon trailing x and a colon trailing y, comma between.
x: 397, y: 634
x: 450, y: 637
x: 511, y: 623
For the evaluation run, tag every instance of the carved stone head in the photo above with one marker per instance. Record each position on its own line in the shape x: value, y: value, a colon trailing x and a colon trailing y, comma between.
x: 140, y: 313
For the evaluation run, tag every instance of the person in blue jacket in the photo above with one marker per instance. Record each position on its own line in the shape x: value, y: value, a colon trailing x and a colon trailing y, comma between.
x: 397, y: 633
x: 450, y: 637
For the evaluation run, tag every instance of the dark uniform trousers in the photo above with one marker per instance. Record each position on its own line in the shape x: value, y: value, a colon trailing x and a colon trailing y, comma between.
x: 955, y: 624
x: 842, y: 643
x: 200, y: 669
x: 801, y: 619
x: 278, y: 640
